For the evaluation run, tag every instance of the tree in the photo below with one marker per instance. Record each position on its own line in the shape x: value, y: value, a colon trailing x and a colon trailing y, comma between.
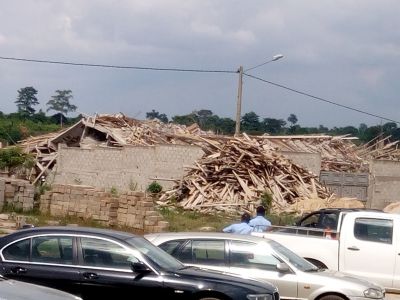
x: 26, y: 100
x: 203, y: 116
x: 186, y: 119
x: 250, y: 122
x: 60, y: 102
x: 292, y: 119
x: 153, y: 114
x: 273, y: 126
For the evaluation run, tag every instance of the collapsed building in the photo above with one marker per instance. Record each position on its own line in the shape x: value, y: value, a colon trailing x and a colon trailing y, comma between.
x: 203, y: 171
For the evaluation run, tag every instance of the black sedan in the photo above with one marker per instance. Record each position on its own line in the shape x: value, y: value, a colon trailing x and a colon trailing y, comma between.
x: 104, y: 264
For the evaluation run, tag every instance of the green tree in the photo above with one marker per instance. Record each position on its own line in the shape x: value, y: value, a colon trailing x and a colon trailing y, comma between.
x: 26, y: 100
x: 274, y: 126
x: 186, y: 119
x: 60, y: 102
x: 203, y: 116
x: 250, y: 123
x: 153, y: 114
x: 292, y: 119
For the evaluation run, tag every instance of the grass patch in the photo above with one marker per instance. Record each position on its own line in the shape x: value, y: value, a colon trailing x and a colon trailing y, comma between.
x: 181, y: 220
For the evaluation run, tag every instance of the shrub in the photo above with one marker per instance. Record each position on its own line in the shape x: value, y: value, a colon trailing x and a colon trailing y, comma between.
x: 154, y: 187
x: 14, y: 158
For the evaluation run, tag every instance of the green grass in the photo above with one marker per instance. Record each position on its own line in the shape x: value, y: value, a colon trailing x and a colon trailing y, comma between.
x: 181, y: 220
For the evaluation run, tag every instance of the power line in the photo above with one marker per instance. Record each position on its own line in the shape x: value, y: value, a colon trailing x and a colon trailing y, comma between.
x: 195, y: 71
x: 321, y: 99
x: 115, y: 66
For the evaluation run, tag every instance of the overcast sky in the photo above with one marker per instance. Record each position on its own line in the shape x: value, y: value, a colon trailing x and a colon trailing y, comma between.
x: 345, y: 51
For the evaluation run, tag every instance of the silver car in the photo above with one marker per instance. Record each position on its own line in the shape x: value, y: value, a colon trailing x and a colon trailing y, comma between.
x: 18, y: 290
x: 266, y: 260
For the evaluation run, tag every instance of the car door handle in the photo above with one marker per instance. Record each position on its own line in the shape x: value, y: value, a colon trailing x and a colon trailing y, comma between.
x: 89, y: 275
x: 18, y: 270
x: 354, y: 248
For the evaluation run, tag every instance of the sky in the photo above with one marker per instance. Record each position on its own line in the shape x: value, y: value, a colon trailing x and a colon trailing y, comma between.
x: 343, y: 51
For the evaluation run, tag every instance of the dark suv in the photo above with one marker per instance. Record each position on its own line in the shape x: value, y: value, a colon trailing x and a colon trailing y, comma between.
x: 106, y: 264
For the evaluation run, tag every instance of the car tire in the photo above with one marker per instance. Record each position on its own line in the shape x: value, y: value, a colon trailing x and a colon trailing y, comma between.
x: 332, y: 297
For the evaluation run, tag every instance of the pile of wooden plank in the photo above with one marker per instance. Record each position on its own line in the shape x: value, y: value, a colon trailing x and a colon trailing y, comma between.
x: 338, y: 153
x: 234, y: 175
x: 380, y: 148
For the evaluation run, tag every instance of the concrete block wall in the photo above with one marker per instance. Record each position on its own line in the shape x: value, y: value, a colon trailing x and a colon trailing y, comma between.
x: 16, y: 193
x: 131, y: 209
x: 384, y: 185
x: 309, y: 161
x: 127, y: 168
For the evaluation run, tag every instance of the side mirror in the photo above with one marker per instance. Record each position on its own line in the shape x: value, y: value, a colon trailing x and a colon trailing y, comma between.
x: 282, y: 267
x: 140, y: 267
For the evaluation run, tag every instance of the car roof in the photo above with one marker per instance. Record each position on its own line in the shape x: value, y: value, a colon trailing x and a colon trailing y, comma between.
x: 213, y: 235
x: 108, y: 233
x: 346, y: 209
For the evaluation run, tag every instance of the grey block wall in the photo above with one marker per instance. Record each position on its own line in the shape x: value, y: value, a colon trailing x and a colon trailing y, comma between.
x: 384, y: 183
x: 128, y: 168
x: 310, y: 161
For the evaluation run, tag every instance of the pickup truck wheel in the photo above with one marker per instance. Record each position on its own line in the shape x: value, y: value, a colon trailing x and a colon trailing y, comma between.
x: 332, y: 297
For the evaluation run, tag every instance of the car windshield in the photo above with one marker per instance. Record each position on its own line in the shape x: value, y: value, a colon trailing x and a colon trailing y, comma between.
x: 297, y: 261
x: 156, y: 256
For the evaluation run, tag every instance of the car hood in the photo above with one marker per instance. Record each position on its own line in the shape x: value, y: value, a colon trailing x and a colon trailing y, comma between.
x: 344, y: 278
x: 16, y: 290
x: 216, y: 277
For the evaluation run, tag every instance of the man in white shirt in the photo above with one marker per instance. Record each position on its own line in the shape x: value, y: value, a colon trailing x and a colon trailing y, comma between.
x: 260, y: 223
x: 240, y: 228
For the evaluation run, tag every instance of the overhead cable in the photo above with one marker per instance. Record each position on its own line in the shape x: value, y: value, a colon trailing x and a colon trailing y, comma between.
x: 115, y: 66
x: 320, y: 99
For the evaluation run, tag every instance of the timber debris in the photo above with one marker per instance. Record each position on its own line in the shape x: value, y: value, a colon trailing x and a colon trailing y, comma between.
x: 233, y: 173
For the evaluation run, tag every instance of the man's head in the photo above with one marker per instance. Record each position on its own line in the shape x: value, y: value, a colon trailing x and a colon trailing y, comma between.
x: 245, y: 217
x: 260, y: 211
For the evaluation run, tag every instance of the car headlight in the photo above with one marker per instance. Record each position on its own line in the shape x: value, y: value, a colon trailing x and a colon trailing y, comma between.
x: 374, y: 293
x: 260, y: 297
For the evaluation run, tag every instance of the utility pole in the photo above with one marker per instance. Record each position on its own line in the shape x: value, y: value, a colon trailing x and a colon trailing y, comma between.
x: 240, y: 86
x: 239, y: 101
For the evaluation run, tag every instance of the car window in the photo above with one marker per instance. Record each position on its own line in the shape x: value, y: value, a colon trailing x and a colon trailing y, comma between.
x: 18, y: 251
x: 52, y: 249
x: 250, y: 255
x: 374, y: 230
x: 155, y: 255
x: 207, y: 252
x: 171, y: 246
x: 107, y: 254
x: 329, y: 220
x: 310, y: 221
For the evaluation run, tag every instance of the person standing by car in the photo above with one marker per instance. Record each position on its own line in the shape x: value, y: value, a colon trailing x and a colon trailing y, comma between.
x: 259, y: 223
x: 240, y: 228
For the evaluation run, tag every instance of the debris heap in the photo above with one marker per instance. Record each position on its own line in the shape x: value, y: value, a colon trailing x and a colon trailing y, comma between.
x: 235, y: 173
x: 338, y: 153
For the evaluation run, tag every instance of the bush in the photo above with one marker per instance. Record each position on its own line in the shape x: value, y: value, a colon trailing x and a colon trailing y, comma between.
x: 154, y: 187
x: 14, y: 158
x: 266, y: 201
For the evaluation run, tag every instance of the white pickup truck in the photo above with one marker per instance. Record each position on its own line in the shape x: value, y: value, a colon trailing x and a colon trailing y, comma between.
x: 364, y: 243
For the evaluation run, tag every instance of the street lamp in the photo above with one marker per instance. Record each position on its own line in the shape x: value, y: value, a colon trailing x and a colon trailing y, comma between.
x: 240, y: 87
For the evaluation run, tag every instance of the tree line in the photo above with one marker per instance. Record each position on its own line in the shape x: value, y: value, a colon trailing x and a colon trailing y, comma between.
x: 252, y: 123
x: 29, y: 122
